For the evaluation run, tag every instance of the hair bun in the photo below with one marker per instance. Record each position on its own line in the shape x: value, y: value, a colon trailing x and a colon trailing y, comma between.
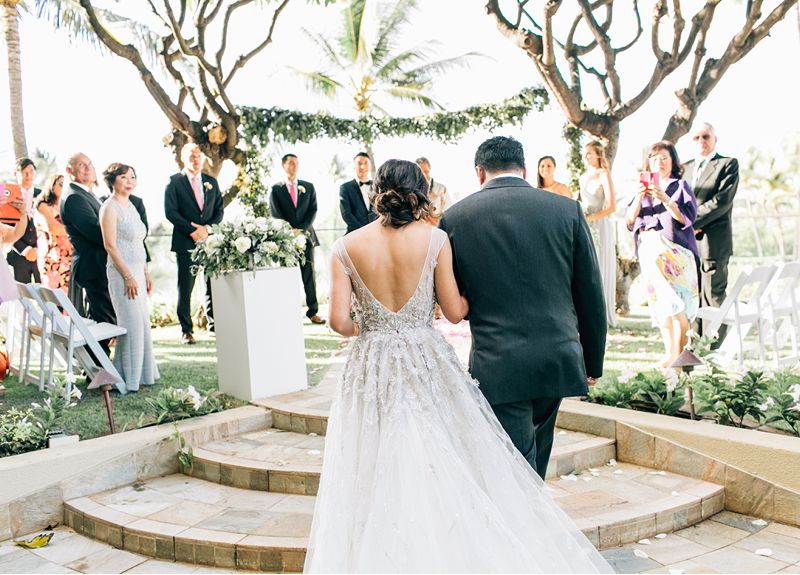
x: 399, y: 193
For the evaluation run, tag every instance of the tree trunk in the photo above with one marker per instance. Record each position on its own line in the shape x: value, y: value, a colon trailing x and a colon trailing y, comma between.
x: 10, y: 18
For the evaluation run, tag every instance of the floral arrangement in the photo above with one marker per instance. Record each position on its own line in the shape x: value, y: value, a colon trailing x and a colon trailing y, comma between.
x: 249, y: 243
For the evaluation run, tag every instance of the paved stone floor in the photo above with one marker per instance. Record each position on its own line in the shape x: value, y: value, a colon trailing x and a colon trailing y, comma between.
x: 726, y: 543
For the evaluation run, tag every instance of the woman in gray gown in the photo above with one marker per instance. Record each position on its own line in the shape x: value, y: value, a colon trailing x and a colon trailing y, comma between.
x: 598, y: 201
x: 123, y: 236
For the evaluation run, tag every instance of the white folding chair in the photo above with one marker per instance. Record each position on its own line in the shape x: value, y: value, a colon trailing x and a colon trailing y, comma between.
x: 32, y: 325
x: 742, y: 308
x: 782, y: 313
x: 79, y: 336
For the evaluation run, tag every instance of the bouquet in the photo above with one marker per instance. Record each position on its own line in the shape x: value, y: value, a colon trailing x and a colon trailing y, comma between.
x: 248, y: 244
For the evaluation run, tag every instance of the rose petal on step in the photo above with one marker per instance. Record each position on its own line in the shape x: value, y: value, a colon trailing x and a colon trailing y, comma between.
x: 661, y: 536
x: 612, y: 462
x: 618, y: 472
x: 640, y: 553
x: 758, y: 522
x: 644, y: 542
x: 587, y: 478
x: 561, y: 433
x: 675, y: 493
x: 594, y: 474
x: 764, y: 552
x: 312, y: 434
x: 314, y: 452
x: 592, y: 470
x: 676, y: 572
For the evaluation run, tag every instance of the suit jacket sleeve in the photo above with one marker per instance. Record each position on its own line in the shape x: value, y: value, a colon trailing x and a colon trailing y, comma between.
x: 219, y: 204
x: 722, y: 202
x: 172, y: 209
x: 311, y: 212
x: 587, y: 297
x: 78, y: 211
x: 274, y: 208
x: 344, y: 205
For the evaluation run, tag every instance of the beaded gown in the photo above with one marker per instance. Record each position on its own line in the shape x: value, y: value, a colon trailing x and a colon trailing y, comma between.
x: 418, y: 475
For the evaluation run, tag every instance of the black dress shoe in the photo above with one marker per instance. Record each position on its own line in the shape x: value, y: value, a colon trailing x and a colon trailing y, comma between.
x: 187, y: 339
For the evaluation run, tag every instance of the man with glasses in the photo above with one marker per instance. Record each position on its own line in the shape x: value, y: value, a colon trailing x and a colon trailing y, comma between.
x: 714, y: 180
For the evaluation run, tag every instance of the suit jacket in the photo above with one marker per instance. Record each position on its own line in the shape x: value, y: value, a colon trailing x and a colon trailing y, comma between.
x: 526, y: 262
x: 714, y: 191
x: 301, y: 217
x: 180, y: 207
x: 79, y: 211
x: 28, y: 239
x: 354, y: 212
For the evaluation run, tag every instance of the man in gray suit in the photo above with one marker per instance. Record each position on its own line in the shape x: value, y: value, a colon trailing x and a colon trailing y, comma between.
x: 526, y: 262
x: 714, y: 180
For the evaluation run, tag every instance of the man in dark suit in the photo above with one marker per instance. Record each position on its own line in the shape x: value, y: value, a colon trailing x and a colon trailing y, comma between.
x: 714, y: 180
x: 525, y: 260
x: 296, y: 202
x: 23, y: 256
x: 192, y: 202
x: 79, y: 209
x: 357, y: 211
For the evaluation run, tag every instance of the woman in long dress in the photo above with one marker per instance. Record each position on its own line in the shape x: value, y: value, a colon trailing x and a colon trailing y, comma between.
x: 661, y: 217
x: 599, y: 202
x: 128, y: 279
x: 545, y: 169
x: 418, y: 474
x: 58, y: 257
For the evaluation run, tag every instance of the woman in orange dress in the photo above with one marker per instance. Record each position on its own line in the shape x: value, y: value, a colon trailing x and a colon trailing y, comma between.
x: 58, y: 256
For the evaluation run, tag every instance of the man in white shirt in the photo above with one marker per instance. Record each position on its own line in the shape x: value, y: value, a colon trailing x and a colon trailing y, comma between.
x: 714, y: 180
x: 23, y: 256
x: 354, y: 195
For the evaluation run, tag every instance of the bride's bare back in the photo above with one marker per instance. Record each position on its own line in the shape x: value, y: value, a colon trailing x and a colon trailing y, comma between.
x: 390, y: 260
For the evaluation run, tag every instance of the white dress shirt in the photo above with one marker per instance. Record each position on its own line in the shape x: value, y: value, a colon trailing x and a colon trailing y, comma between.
x: 365, y: 189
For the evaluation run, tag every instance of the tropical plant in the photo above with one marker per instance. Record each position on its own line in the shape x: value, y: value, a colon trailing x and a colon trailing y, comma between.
x: 663, y: 389
x: 785, y: 396
x: 364, y: 61
x: 9, y: 12
x: 619, y: 393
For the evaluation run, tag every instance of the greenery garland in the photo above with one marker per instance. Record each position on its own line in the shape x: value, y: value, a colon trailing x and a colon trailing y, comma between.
x: 262, y: 125
x: 575, y: 163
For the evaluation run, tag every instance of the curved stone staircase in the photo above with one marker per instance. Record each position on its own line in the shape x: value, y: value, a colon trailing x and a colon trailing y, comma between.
x: 247, y: 501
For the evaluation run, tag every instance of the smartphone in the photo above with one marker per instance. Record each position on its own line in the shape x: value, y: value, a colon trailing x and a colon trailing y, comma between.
x: 9, y: 193
x: 649, y: 178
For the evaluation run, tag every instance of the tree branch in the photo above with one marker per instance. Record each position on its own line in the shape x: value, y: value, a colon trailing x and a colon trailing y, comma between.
x: 242, y: 60
x: 609, y: 56
x: 639, y: 29
x: 224, y: 39
x: 550, y: 9
x: 659, y: 11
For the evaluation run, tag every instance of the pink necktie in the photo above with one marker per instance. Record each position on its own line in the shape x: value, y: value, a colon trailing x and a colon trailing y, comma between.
x: 198, y: 193
x: 293, y: 192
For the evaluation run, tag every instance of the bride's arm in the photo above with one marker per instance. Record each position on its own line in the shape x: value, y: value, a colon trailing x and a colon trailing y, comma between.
x: 341, y: 291
x: 454, y: 305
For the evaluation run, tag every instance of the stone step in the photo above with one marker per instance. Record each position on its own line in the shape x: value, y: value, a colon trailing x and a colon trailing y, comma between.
x: 184, y: 519
x: 288, y: 462
x: 189, y: 520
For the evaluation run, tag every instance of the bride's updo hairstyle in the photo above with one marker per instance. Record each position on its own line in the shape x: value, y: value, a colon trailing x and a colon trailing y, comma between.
x: 399, y: 193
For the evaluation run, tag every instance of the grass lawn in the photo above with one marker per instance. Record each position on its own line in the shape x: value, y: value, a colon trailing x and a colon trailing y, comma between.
x: 180, y: 366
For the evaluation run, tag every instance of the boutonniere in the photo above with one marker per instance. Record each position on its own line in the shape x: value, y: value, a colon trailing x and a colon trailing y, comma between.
x: 207, y: 185
x: 300, y: 190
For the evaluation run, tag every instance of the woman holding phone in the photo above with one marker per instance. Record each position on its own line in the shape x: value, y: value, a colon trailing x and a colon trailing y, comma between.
x: 660, y: 217
x: 598, y: 201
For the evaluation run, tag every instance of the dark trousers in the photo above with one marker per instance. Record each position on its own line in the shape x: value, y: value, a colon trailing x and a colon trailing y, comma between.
x: 309, y: 281
x: 185, y: 286
x: 98, y: 305
x: 713, y: 289
x: 24, y: 271
x: 530, y: 424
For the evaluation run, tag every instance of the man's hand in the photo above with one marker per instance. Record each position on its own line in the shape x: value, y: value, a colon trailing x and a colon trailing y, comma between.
x: 591, y: 381
x: 32, y: 255
x: 698, y: 232
x: 199, y: 233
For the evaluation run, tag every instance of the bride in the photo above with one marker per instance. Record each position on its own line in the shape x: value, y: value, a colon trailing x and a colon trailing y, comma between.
x: 418, y: 474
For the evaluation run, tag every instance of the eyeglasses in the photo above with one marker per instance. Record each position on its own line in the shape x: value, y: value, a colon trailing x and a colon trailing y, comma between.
x: 704, y: 136
x: 659, y: 159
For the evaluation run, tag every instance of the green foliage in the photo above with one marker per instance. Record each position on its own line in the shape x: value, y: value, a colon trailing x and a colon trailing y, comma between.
x: 253, y: 193
x: 730, y: 398
x: 785, y: 396
x: 174, y: 404
x: 664, y: 390
x: 248, y: 244
x: 614, y: 393
x: 161, y: 313
x: 263, y: 125
x: 185, y: 457
x: 575, y: 164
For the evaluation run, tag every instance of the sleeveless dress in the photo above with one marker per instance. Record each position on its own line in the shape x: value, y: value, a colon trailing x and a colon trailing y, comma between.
x: 133, y: 352
x: 418, y: 475
x: 592, y: 199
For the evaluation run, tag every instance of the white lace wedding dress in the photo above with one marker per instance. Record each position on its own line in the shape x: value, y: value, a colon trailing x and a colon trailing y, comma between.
x: 418, y: 475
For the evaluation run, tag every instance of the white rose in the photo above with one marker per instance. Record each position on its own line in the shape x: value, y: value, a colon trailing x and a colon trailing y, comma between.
x: 243, y: 244
x: 272, y: 247
x: 277, y: 225
x: 249, y: 228
x: 261, y: 222
x: 300, y: 241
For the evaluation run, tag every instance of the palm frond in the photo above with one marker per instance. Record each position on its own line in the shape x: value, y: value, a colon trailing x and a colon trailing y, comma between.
x: 349, y: 41
x: 430, y: 69
x: 396, y: 64
x: 320, y: 83
x: 391, y: 28
x: 414, y: 93
x: 325, y: 47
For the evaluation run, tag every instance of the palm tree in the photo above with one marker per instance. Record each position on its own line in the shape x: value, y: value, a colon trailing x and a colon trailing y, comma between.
x: 364, y: 62
x: 10, y: 16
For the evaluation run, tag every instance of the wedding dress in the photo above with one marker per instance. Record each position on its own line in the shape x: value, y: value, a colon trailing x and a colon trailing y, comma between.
x: 418, y: 475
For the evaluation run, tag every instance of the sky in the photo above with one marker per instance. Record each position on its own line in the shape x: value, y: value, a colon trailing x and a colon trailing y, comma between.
x: 75, y: 98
